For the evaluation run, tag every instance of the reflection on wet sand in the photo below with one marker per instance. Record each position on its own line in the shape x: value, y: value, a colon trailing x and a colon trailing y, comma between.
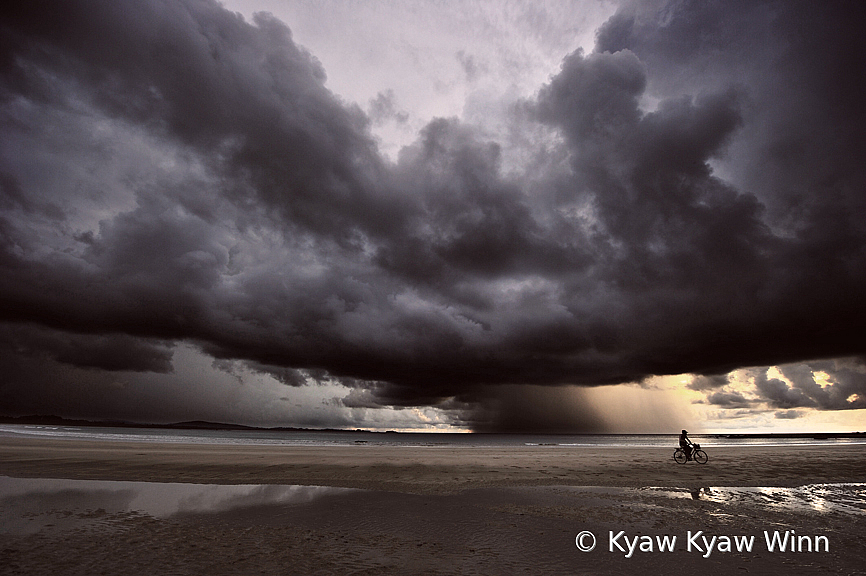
x: 139, y: 528
x: 32, y: 498
x: 30, y: 504
x: 848, y: 498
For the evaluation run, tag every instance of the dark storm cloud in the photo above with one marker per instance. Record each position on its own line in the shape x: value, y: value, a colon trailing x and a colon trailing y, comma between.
x: 729, y: 400
x: 701, y: 383
x: 172, y: 173
x: 521, y: 409
x: 798, y: 148
x: 778, y: 394
x: 200, y: 75
x: 112, y: 352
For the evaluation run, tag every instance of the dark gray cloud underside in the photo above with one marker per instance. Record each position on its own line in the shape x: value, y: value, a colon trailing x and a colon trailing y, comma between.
x: 170, y: 172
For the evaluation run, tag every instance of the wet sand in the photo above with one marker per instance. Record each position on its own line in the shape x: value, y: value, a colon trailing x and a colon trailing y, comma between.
x: 441, y: 510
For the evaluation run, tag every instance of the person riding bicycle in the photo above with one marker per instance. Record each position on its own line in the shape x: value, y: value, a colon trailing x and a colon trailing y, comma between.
x: 686, y: 444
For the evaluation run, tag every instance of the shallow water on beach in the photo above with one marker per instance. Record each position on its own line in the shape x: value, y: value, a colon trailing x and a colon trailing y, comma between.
x: 29, y: 504
x: 59, y: 526
x: 849, y: 498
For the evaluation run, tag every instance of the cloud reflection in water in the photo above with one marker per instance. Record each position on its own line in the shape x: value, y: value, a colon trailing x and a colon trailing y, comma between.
x: 28, y: 504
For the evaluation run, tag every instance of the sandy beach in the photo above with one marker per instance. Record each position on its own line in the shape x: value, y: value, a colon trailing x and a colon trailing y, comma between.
x: 444, y: 510
x: 427, y: 469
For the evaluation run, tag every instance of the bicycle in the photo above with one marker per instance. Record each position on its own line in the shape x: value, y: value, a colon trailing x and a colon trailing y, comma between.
x: 698, y: 455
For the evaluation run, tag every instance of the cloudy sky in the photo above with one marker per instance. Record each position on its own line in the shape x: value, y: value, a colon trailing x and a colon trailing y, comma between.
x: 555, y: 216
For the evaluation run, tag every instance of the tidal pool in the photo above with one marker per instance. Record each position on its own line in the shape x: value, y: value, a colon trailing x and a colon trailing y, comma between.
x: 29, y: 504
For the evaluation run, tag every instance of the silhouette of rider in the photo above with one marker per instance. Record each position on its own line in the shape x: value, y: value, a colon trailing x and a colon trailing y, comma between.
x: 686, y: 444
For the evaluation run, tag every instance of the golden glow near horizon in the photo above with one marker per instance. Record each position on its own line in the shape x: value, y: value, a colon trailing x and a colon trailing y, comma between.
x: 666, y: 404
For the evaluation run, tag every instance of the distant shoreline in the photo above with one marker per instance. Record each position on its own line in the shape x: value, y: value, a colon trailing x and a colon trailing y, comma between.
x: 37, y: 420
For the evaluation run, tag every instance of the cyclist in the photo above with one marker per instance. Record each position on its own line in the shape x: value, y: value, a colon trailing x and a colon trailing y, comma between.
x: 686, y: 444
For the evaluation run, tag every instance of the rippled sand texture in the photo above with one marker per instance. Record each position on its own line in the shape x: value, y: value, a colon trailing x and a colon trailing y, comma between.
x: 460, y: 527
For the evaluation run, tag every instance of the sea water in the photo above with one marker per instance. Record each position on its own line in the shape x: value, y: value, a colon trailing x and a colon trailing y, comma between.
x: 413, y: 439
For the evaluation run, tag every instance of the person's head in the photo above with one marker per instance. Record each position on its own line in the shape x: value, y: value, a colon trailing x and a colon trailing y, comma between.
x: 684, y: 432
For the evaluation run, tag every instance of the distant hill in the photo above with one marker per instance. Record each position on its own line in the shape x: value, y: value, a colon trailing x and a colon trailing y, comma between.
x: 35, y: 420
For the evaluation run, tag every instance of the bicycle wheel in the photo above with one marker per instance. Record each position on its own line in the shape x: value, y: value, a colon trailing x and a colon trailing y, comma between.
x: 680, y: 456
x: 701, y: 457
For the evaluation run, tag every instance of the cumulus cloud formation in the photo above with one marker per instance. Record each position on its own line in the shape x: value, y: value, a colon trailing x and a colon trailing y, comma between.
x: 171, y: 173
x: 826, y: 385
x: 843, y: 387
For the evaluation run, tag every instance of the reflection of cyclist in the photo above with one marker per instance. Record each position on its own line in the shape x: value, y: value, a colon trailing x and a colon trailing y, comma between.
x: 686, y: 444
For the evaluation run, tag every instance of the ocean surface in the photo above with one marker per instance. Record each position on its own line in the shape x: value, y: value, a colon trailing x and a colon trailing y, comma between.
x: 361, y: 438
